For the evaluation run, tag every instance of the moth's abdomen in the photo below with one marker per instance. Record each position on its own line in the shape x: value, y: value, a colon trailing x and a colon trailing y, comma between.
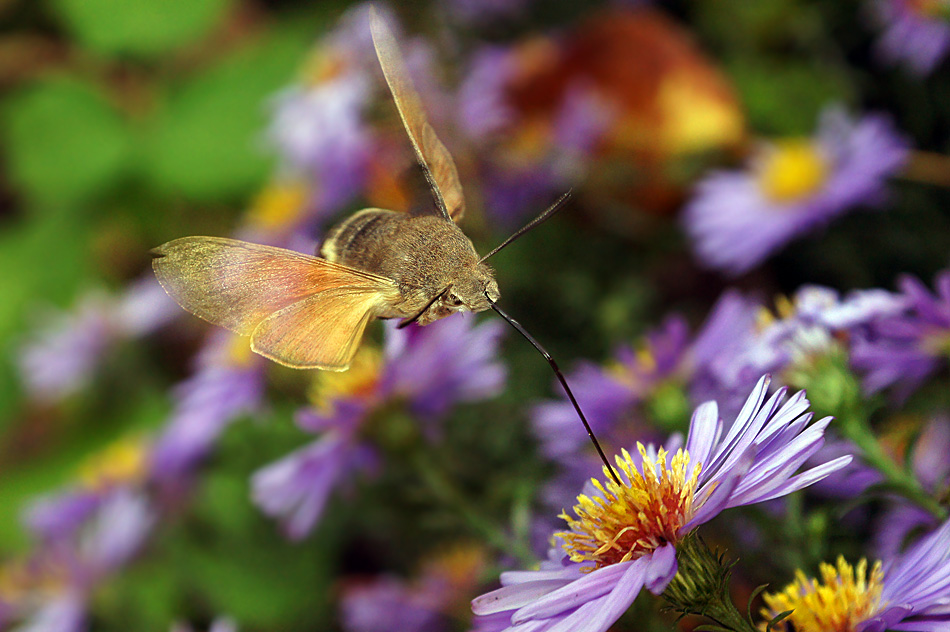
x: 355, y: 241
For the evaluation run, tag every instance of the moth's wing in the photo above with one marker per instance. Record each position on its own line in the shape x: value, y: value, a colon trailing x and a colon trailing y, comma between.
x: 236, y: 284
x: 319, y: 332
x: 436, y: 162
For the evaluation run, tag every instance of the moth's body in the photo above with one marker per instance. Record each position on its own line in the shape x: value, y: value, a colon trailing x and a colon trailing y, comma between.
x: 423, y: 254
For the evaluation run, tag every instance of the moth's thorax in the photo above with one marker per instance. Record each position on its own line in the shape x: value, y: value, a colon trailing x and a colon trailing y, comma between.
x: 423, y: 254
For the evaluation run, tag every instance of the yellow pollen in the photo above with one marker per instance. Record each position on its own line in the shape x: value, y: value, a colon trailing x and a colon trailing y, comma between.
x: 360, y: 379
x: 845, y: 597
x: 238, y: 352
x: 632, y: 520
x: 122, y: 461
x: 322, y: 65
x: 793, y: 170
x: 22, y: 582
x: 458, y: 565
x: 279, y: 205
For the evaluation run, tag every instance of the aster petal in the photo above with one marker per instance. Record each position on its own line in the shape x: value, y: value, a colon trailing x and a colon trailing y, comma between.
x: 721, y: 493
x: 704, y: 430
x: 661, y: 569
x: 598, y: 615
x: 590, y: 586
x: 803, y: 480
x: 736, y: 434
x: 514, y: 596
x: 921, y: 625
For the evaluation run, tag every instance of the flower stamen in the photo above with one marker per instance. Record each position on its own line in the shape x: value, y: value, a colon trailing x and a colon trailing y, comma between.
x: 845, y: 597
x: 627, y: 522
x: 793, y: 170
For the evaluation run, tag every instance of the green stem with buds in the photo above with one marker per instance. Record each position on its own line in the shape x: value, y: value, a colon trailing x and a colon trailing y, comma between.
x: 854, y: 426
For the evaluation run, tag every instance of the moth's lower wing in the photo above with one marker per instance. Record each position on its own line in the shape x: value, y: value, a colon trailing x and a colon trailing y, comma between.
x: 319, y: 332
x: 236, y: 284
x: 435, y: 159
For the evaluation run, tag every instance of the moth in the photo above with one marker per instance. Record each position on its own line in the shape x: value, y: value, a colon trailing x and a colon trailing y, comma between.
x: 310, y: 312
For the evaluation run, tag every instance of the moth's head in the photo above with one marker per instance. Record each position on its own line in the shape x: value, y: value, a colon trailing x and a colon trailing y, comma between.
x: 469, y: 292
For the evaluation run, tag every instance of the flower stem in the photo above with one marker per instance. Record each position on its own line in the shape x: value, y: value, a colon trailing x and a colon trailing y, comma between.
x: 701, y: 587
x: 854, y: 426
x: 928, y: 168
x: 443, y: 489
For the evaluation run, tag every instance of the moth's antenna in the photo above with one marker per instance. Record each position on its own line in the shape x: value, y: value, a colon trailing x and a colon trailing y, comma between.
x: 554, y: 208
x: 567, y: 389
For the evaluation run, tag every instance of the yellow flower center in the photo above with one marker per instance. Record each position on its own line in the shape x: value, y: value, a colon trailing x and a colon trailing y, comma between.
x: 629, y: 521
x: 125, y: 460
x: 793, y: 170
x: 278, y: 205
x: 845, y: 597
x: 238, y: 352
x: 360, y: 379
x: 22, y: 582
x: 457, y: 566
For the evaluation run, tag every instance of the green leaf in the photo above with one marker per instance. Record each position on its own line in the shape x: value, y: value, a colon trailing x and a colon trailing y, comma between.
x: 139, y: 27
x: 64, y: 141
x: 206, y: 142
x: 784, y: 97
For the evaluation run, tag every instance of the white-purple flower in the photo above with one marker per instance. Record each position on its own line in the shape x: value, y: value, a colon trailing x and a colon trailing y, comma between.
x: 738, y: 218
x: 228, y: 383
x: 428, y: 369
x: 906, y: 348
x: 916, y: 33
x: 61, y: 357
x: 624, y: 537
x: 53, y: 588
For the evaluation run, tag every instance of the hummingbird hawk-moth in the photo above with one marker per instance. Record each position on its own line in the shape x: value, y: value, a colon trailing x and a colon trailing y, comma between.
x: 310, y: 312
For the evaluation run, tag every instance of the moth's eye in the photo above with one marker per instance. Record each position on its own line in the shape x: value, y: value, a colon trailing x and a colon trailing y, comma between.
x: 454, y: 301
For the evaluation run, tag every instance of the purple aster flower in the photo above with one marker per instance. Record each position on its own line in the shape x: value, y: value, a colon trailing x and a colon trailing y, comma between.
x: 320, y: 131
x: 909, y: 592
x: 52, y: 590
x: 736, y: 219
x: 612, y: 398
x: 296, y: 488
x: 916, y: 33
x: 424, y: 366
x: 624, y: 537
x: 423, y: 604
x: 227, y: 384
x: 483, y: 111
x: 905, y: 349
x: 61, y: 358
x: 428, y: 369
x: 59, y: 516
x: 744, y: 339
x: 373, y: 607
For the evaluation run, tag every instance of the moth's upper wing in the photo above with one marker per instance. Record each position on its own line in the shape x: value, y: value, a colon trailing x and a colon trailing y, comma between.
x: 436, y: 162
x: 237, y: 284
x: 319, y: 332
